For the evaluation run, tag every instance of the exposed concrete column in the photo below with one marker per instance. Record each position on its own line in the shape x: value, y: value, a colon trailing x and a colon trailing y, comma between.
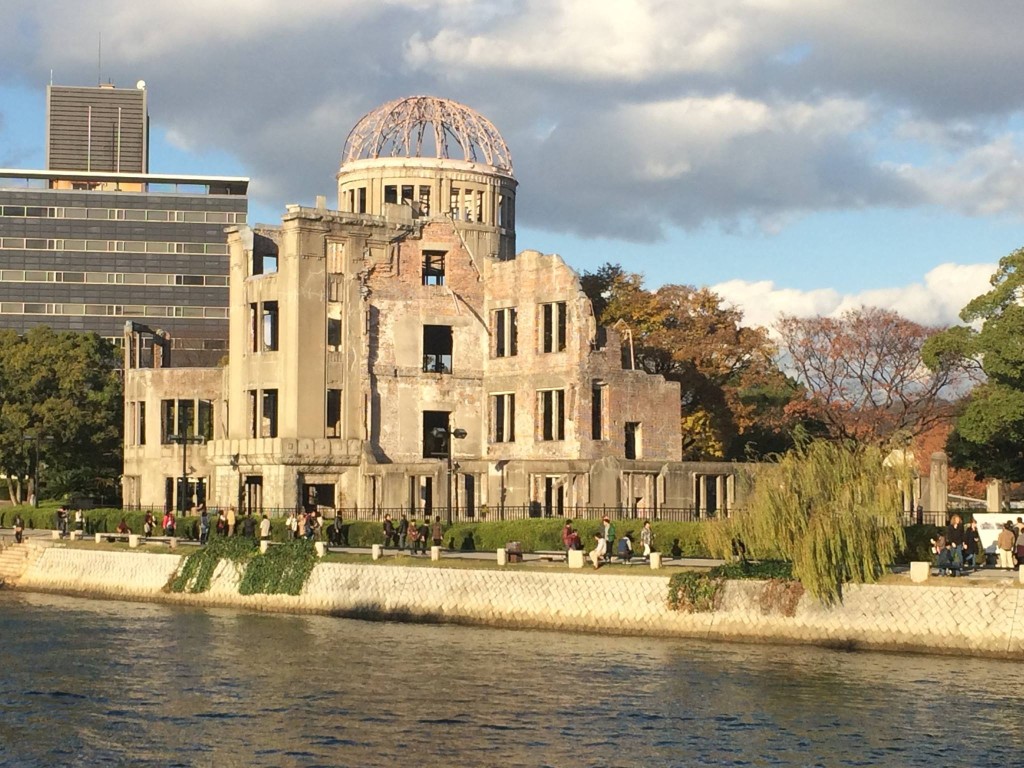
x: 730, y: 491
x: 719, y: 493
x: 938, y: 482
x: 995, y: 496
x: 703, y: 485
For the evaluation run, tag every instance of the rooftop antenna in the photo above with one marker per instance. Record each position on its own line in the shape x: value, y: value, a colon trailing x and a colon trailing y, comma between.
x: 51, y: 77
x: 99, y: 58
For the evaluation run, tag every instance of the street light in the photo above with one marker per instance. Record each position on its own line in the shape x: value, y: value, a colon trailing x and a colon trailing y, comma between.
x: 184, y: 441
x: 442, y: 433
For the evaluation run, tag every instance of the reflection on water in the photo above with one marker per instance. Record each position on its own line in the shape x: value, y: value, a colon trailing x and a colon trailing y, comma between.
x: 87, y: 682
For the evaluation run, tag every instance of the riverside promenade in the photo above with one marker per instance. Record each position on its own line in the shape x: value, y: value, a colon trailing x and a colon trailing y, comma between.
x: 981, y: 614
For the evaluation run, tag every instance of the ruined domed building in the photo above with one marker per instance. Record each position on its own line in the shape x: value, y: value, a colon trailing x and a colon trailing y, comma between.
x: 398, y: 354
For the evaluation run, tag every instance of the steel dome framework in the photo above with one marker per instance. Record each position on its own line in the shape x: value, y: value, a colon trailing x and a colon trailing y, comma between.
x: 405, y: 127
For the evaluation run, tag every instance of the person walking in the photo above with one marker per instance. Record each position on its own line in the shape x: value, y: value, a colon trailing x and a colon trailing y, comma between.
x: 608, y: 532
x: 389, y: 531
x: 232, y: 519
x: 265, y: 528
x: 204, y: 526
x: 437, y: 532
x: 147, y: 524
x: 403, y: 532
x: 19, y: 528
x: 972, y: 545
x: 647, y: 539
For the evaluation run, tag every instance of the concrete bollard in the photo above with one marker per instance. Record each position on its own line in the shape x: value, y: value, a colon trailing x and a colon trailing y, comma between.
x: 133, y: 540
x: 375, y: 551
x: 1020, y: 575
x: 173, y: 542
x: 76, y: 535
x: 99, y: 538
x: 264, y: 546
x: 54, y: 534
x: 435, y: 553
x: 575, y: 558
x: 502, y: 557
x: 920, y: 570
x: 319, y: 546
x: 655, y: 560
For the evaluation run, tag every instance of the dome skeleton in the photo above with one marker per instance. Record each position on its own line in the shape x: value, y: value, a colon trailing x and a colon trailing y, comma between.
x: 398, y: 129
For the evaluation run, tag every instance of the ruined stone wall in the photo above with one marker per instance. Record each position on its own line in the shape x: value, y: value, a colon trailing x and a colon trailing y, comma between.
x: 928, y: 618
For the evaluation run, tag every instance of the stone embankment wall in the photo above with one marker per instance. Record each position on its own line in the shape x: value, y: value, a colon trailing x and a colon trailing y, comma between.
x: 930, y: 618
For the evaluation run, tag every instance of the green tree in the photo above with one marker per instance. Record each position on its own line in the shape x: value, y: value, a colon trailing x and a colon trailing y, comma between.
x: 988, y: 438
x: 65, y: 389
x: 733, y: 395
x: 831, y: 508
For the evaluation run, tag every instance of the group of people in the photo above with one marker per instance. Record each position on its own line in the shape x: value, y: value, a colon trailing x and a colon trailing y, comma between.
x: 305, y: 524
x: 1010, y: 544
x: 605, y: 542
x: 416, y: 536
x: 956, y: 549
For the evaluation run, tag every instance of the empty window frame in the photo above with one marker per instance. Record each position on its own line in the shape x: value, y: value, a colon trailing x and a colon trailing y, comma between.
x: 407, y: 193
x: 334, y: 334
x: 333, y: 413
x: 141, y: 424
x: 167, y: 424
x: 553, y: 319
x: 204, y: 426
x: 253, y: 411
x: 270, y: 326
x: 390, y: 194
x: 435, y: 434
x: 424, y: 201
x: 186, y: 417
x: 551, y: 403
x: 598, y: 411
x: 433, y: 267
x: 254, y: 327
x: 505, y: 330
x: 437, y: 348
x: 268, y: 421
x: 503, y: 417
x: 454, y: 206
x: 633, y: 435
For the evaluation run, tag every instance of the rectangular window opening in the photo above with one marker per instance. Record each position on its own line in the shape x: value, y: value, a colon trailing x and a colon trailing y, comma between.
x: 633, y: 435
x: 506, y: 332
x: 552, y: 415
x: 503, y: 418
x: 433, y: 267
x: 437, y: 348
x: 435, y: 434
x: 270, y: 326
x: 553, y: 326
x: 333, y: 413
x: 268, y: 423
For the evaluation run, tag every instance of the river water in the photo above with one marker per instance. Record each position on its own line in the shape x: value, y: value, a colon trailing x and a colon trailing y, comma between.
x: 88, y: 682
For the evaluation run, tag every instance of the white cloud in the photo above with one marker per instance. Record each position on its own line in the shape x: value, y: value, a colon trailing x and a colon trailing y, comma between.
x: 936, y: 301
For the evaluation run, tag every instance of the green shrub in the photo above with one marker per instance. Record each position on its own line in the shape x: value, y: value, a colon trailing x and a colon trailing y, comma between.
x: 196, y: 572
x: 747, y: 569
x: 694, y: 592
x: 918, y: 543
x: 283, y: 570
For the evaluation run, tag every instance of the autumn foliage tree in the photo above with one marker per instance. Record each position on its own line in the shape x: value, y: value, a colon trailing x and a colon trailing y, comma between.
x: 733, y: 394
x: 864, y: 375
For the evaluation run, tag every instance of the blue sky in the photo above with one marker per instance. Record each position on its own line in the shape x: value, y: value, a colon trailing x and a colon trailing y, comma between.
x: 801, y: 157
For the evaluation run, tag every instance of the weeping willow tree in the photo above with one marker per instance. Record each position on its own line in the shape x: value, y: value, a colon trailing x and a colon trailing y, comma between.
x: 831, y: 509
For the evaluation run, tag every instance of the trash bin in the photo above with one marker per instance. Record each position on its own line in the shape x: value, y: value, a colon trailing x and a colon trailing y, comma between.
x: 514, y: 550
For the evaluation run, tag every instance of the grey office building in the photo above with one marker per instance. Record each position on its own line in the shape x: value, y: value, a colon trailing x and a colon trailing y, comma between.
x: 94, y: 240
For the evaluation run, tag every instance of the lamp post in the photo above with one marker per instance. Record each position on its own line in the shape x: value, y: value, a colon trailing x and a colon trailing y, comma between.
x: 184, y: 441
x: 443, y: 433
